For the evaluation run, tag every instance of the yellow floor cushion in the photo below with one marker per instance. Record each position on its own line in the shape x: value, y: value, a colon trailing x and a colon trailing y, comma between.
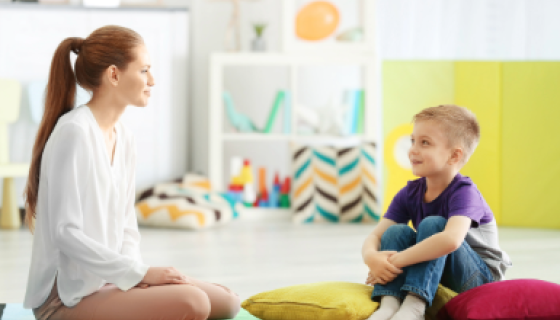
x: 325, y: 301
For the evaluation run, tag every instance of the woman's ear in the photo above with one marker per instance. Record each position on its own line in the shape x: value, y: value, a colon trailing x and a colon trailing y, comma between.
x: 112, y: 74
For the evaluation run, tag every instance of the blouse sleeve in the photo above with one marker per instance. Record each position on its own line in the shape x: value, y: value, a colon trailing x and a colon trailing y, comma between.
x: 131, y: 236
x: 69, y: 159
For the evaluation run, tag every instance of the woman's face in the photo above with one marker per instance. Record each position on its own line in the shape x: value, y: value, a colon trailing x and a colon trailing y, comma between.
x: 136, y: 81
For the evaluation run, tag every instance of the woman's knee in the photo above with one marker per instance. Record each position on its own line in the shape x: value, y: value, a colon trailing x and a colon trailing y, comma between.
x: 231, y: 306
x: 194, y: 302
x: 432, y: 225
x: 397, y: 232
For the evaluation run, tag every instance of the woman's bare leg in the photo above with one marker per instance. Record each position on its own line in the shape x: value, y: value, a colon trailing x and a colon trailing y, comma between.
x: 169, y: 302
x: 224, y: 303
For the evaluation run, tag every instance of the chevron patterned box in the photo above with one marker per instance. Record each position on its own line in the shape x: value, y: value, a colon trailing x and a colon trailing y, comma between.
x: 333, y: 184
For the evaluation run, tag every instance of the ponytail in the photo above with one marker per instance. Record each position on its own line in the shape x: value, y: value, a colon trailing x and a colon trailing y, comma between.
x: 59, y: 99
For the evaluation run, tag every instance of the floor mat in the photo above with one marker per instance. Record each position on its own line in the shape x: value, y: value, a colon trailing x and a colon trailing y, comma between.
x: 15, y: 311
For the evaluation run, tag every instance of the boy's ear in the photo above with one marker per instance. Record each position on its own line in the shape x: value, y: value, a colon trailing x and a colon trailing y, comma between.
x: 456, y: 156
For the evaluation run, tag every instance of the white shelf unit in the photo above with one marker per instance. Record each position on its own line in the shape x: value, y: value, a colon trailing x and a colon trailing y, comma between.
x: 366, y: 15
x: 293, y: 61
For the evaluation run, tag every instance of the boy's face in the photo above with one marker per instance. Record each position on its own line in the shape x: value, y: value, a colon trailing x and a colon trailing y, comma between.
x: 430, y: 154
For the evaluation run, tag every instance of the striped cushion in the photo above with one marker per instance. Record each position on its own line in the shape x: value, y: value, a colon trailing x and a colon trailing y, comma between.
x: 335, y: 184
x: 185, y: 203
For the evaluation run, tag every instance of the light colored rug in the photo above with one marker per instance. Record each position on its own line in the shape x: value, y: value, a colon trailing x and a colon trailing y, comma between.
x: 15, y: 311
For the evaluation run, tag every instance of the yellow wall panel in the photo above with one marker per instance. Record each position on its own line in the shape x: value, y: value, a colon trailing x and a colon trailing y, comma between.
x: 478, y: 88
x: 408, y: 87
x: 530, y: 146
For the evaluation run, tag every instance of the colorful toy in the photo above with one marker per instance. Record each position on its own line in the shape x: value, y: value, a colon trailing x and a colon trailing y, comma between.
x: 241, y: 188
x: 263, y: 192
x: 317, y: 20
x: 249, y: 195
x: 274, y: 200
x: 285, y: 194
x: 246, y: 173
x: 235, y: 192
x: 236, y: 165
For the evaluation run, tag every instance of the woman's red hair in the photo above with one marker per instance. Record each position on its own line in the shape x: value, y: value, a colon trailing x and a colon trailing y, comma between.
x: 106, y: 46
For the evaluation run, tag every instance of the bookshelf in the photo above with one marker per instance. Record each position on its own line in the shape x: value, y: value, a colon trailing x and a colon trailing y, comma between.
x: 292, y: 61
x: 297, y: 55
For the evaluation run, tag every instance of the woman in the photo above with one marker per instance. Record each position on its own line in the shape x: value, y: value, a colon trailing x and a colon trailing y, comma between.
x: 86, y: 262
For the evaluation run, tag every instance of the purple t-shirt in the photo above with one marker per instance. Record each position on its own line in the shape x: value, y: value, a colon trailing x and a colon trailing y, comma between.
x: 460, y: 198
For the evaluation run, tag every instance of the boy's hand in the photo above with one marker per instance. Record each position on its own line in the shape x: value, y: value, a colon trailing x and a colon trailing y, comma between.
x: 381, y: 270
x: 371, y: 280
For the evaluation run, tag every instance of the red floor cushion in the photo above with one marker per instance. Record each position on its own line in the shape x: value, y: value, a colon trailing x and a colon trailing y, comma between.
x: 525, y: 299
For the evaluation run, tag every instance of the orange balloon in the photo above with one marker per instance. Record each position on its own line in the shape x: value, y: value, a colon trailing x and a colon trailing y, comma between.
x: 317, y: 20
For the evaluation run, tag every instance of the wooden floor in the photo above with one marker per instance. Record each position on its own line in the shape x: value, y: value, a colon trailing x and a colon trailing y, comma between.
x: 254, y: 256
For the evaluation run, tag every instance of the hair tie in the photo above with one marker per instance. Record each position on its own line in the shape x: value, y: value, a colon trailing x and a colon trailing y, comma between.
x: 77, y: 44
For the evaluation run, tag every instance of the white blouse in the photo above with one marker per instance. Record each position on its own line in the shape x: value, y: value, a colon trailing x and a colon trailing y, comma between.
x: 86, y: 232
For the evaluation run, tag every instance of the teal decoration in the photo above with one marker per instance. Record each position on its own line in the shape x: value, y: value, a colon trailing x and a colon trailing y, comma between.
x: 280, y: 97
x: 238, y: 120
x: 361, y: 116
x: 356, y: 110
x: 350, y: 115
x: 354, y: 113
x: 242, y: 122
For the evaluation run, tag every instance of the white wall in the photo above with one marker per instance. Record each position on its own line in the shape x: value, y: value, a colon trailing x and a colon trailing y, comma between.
x: 161, y: 129
x: 406, y: 29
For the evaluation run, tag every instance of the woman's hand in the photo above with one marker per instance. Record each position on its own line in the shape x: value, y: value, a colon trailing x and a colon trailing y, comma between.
x: 381, y: 271
x: 163, y: 275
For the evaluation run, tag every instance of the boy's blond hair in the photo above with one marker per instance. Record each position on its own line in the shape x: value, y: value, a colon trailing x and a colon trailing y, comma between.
x: 459, y: 124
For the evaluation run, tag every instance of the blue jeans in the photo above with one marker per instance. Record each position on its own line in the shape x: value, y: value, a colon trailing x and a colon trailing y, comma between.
x: 461, y: 270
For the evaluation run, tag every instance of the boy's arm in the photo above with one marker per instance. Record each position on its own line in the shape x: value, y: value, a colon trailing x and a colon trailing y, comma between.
x: 373, y: 241
x: 435, y: 246
x: 380, y: 269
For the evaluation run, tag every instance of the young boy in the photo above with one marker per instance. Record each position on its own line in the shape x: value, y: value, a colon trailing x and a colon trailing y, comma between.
x: 455, y: 241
